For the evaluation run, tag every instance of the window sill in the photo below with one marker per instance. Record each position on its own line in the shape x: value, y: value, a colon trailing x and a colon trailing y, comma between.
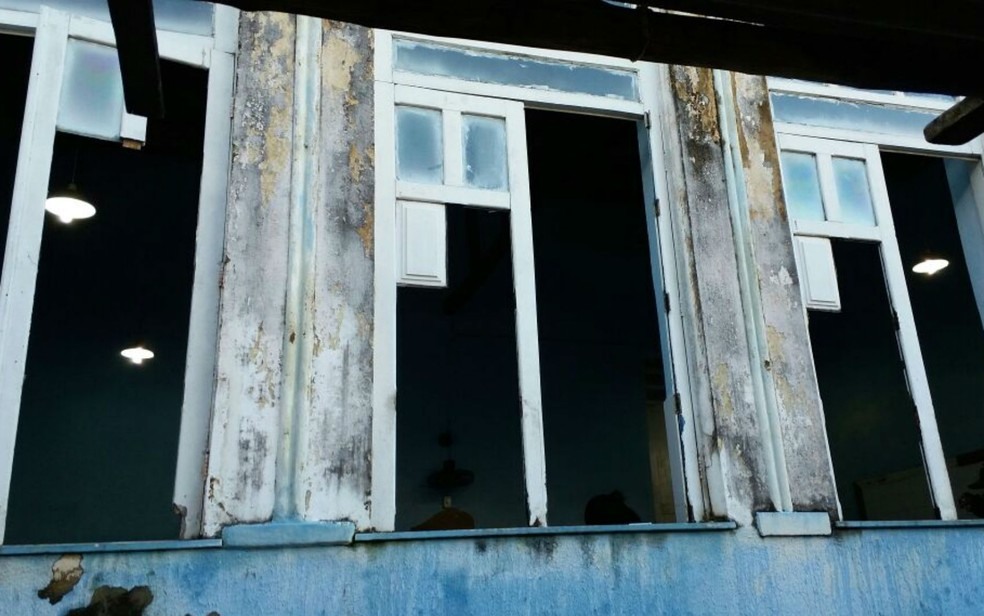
x: 907, y: 524
x: 484, y: 533
x: 120, y: 546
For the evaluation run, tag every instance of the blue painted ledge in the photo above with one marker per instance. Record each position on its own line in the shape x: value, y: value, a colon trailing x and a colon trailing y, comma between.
x: 118, y: 546
x: 908, y: 524
x: 482, y: 533
x: 284, y: 534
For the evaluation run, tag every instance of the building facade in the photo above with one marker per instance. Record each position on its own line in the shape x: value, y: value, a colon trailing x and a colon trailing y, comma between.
x: 449, y: 327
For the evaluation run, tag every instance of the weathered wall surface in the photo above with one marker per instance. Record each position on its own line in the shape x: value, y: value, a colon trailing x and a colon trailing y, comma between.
x: 789, y: 358
x: 730, y: 429
x: 915, y: 571
x: 248, y: 395
x: 291, y: 429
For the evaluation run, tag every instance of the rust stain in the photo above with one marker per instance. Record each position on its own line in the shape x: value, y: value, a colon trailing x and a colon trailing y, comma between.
x: 65, y: 574
x: 366, y: 230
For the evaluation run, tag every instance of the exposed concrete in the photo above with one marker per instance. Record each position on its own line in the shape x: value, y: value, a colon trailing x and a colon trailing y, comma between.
x: 65, y: 574
x: 729, y: 432
x: 912, y: 571
x: 789, y: 359
x: 245, y: 423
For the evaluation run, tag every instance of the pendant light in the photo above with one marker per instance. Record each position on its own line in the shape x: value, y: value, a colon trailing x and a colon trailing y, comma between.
x: 929, y: 264
x: 69, y: 204
x: 137, y: 354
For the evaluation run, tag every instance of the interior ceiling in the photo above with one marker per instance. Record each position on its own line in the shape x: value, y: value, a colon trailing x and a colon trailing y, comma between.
x: 917, y: 45
x: 913, y: 46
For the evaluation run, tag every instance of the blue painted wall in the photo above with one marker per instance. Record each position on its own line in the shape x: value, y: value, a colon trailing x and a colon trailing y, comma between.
x: 912, y: 571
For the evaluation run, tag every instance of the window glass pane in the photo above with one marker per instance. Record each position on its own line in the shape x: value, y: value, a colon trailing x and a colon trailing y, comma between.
x: 871, y: 422
x: 92, y: 93
x: 851, y: 116
x: 188, y: 16
x: 485, y: 152
x: 419, y: 145
x: 851, y: 177
x: 470, y: 65
x: 802, y: 186
x: 97, y: 435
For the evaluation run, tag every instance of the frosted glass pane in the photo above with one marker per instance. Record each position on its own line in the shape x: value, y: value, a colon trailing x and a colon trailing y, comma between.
x: 92, y: 93
x: 419, y: 145
x: 846, y: 115
x: 802, y: 186
x: 443, y: 61
x: 852, y: 191
x: 485, y: 152
x: 189, y: 16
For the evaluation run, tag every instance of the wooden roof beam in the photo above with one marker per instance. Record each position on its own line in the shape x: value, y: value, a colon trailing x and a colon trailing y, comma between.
x: 136, y: 44
x: 958, y: 124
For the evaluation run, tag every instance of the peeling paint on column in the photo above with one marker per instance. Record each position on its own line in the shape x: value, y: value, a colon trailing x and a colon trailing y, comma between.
x: 245, y: 423
x: 333, y: 478
x: 790, y: 357
x: 729, y: 428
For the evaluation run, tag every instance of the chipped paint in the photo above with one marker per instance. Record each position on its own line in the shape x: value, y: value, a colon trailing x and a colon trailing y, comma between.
x: 720, y: 375
x: 65, y: 574
x: 903, y: 571
x: 790, y: 361
x: 243, y: 440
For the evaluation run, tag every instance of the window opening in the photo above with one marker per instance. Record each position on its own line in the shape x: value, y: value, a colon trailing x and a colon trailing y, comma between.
x: 935, y: 211
x: 870, y: 416
x: 459, y: 442
x: 17, y: 51
x: 600, y: 353
x: 97, y: 435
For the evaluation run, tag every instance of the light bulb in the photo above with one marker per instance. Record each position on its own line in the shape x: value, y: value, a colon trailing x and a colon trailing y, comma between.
x: 137, y: 354
x: 68, y: 208
x: 930, y: 265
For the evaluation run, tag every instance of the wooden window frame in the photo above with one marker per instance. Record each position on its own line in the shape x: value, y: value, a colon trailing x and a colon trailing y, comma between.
x: 393, y: 87
x: 52, y: 30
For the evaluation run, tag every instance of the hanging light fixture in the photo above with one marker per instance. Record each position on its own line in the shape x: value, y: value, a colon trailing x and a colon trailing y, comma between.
x: 930, y: 264
x: 137, y: 354
x: 69, y: 204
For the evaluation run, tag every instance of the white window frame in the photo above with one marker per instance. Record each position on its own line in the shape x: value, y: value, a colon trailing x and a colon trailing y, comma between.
x: 52, y: 30
x: 687, y: 485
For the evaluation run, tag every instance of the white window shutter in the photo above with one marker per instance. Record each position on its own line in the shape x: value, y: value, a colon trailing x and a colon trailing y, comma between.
x: 818, y: 275
x: 422, y: 244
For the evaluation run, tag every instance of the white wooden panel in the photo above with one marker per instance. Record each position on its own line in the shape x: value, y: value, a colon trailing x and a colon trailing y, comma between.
x: 189, y: 481
x: 835, y: 229
x: 909, y: 341
x: 527, y: 336
x: 20, y: 265
x: 818, y: 275
x: 133, y: 127
x: 421, y: 244
x: 461, y: 195
x: 454, y: 173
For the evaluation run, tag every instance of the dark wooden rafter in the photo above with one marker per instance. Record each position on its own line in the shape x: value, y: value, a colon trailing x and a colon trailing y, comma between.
x: 136, y: 42
x: 958, y: 124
